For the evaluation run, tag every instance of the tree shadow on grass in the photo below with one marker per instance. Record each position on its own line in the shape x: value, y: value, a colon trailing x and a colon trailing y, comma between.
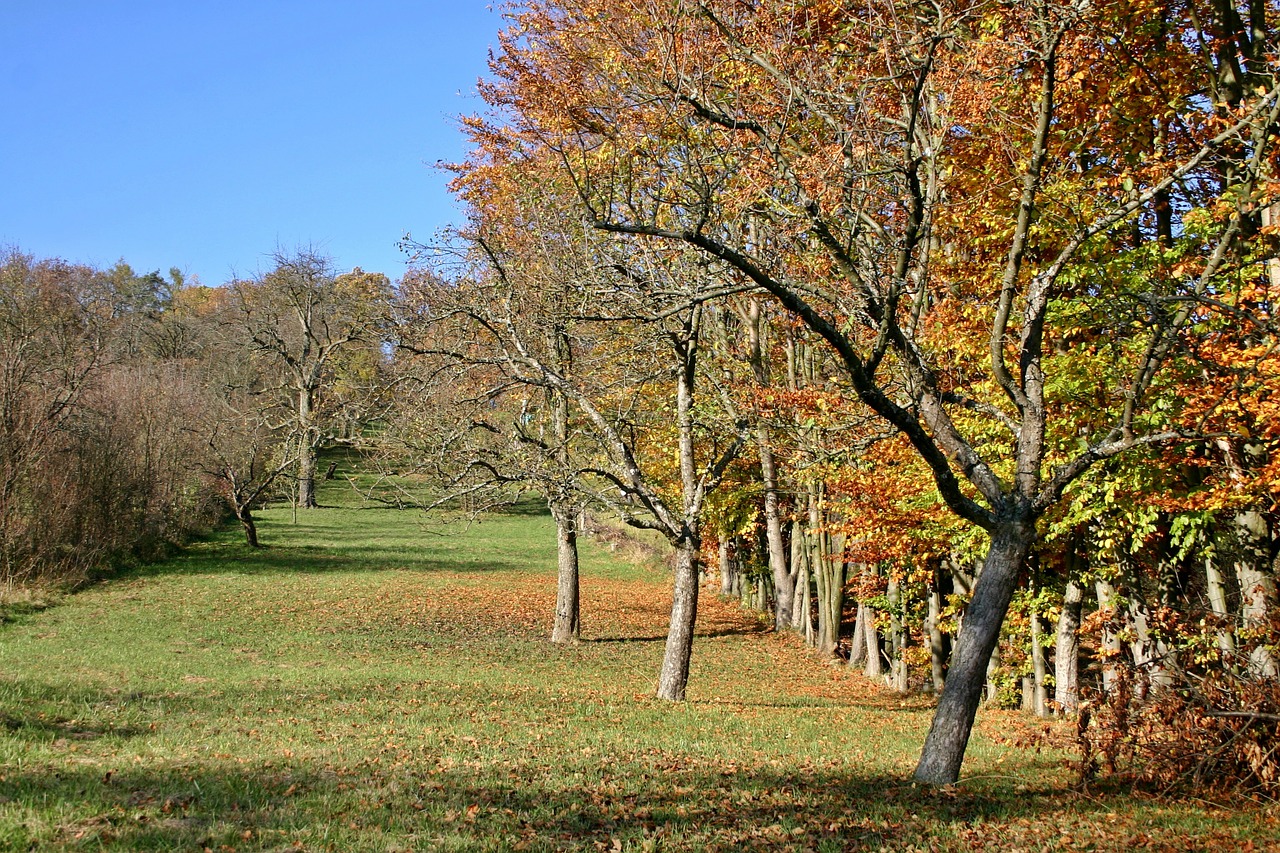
x: 617, y: 802
x: 34, y: 728
x: 455, y: 792
x: 745, y: 630
x: 222, y: 557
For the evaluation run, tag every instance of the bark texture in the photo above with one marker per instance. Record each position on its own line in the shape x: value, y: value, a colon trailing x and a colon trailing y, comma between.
x: 1111, y: 648
x: 306, y: 451
x: 784, y: 585
x: 1257, y: 586
x: 684, y: 615
x: 949, y: 735
x: 250, y: 527
x: 1066, y: 659
x: 728, y: 569
x: 567, y: 627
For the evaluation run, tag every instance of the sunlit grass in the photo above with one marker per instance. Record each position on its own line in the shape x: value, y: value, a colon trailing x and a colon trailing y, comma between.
x: 370, y: 681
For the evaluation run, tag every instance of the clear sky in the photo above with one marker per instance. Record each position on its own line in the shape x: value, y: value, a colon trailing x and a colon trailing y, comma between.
x: 204, y: 135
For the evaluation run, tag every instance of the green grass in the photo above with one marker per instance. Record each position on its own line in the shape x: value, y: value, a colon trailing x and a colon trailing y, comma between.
x: 370, y: 682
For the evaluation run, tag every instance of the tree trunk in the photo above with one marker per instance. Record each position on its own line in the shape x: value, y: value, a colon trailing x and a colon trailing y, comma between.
x: 1066, y: 659
x: 1143, y: 648
x: 952, y: 722
x: 993, y: 666
x: 829, y: 573
x: 1038, y: 703
x: 1110, y: 642
x: 684, y: 614
x: 937, y: 661
x: 307, y: 479
x: 1217, y: 593
x: 1257, y: 587
x: 784, y: 592
x: 873, y: 669
x: 757, y: 327
x: 939, y: 644
x: 245, y: 515
x: 567, y: 628
x: 898, y: 673
x: 801, y: 621
x: 306, y: 452
x: 858, y: 647
x: 1270, y: 217
x: 728, y: 568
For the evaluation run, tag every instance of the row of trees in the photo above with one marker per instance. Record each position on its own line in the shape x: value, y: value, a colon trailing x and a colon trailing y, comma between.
x: 942, y: 314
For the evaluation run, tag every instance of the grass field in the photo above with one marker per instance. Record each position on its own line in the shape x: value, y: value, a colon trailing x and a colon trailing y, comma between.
x: 369, y: 682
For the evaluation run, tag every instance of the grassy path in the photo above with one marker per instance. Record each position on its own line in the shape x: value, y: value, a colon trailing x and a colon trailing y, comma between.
x: 366, y: 683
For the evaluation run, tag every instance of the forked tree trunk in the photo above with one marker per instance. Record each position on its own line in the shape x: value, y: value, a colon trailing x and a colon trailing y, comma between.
x: 829, y: 574
x: 757, y: 326
x: 898, y: 671
x: 567, y: 627
x: 684, y: 615
x: 803, y: 580
x: 949, y: 735
x: 830, y: 605
x: 1143, y: 648
x: 1146, y: 650
x: 1066, y: 659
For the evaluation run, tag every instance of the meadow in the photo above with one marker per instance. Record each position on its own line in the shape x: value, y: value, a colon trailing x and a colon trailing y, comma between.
x: 374, y: 680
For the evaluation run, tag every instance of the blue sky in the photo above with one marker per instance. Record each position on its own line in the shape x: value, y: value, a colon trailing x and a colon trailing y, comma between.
x: 204, y: 135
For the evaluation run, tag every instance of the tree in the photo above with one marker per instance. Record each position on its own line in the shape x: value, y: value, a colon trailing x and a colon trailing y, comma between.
x: 245, y: 457
x: 482, y: 435
x: 299, y: 318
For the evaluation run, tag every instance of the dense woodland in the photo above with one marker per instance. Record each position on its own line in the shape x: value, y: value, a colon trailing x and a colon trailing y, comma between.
x: 942, y: 334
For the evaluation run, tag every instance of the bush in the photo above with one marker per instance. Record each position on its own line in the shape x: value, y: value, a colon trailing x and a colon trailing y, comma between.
x: 1215, y: 727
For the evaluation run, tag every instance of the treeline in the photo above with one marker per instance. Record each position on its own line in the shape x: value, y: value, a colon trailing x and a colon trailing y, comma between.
x: 138, y: 410
x: 945, y: 331
x: 93, y: 449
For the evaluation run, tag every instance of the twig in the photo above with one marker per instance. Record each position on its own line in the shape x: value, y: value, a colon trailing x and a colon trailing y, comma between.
x: 1249, y: 715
